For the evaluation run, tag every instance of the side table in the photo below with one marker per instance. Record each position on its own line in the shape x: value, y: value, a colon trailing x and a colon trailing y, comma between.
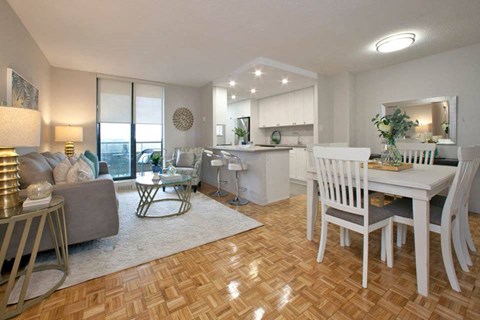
x: 54, y: 216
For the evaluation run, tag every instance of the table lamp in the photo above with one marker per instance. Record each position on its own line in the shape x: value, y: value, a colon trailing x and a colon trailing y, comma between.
x: 19, y: 127
x: 69, y: 135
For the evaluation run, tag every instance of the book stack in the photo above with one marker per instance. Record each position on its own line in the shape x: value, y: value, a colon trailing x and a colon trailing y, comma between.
x: 171, y: 177
x: 37, y: 204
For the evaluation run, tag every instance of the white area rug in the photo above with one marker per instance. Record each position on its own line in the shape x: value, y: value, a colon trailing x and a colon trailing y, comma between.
x: 143, y: 240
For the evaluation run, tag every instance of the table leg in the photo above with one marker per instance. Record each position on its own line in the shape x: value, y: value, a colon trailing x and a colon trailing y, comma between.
x: 421, y: 222
x: 312, y: 207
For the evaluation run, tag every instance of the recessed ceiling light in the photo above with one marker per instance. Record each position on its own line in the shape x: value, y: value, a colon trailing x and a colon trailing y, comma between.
x: 258, y: 73
x: 253, y: 90
x: 284, y: 80
x: 395, y: 42
x: 234, y: 97
x: 232, y: 83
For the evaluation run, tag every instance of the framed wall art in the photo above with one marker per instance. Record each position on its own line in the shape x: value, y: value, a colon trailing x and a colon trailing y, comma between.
x: 20, y: 92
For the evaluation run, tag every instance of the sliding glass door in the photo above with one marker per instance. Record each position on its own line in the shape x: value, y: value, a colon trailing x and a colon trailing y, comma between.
x: 130, y: 125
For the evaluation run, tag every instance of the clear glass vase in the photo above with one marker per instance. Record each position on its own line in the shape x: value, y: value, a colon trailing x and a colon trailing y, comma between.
x: 391, y: 156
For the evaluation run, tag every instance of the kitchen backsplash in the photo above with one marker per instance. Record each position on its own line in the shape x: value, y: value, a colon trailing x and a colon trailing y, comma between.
x: 290, y: 135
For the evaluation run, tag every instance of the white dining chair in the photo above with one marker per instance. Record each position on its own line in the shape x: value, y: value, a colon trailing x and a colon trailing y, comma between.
x: 343, y: 184
x: 415, y: 152
x: 445, y: 220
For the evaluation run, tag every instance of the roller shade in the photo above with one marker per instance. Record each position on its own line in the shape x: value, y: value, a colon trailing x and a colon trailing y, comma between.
x: 148, y: 104
x: 114, y: 101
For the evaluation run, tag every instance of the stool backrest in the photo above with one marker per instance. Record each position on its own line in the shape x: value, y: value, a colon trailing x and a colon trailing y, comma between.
x: 415, y: 152
x: 230, y: 158
x: 342, y: 179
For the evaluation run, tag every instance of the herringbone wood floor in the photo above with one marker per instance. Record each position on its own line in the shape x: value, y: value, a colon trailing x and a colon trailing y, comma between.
x: 271, y: 273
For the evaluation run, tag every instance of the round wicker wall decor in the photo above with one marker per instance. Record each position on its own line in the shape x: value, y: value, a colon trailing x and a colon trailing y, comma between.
x: 183, y: 119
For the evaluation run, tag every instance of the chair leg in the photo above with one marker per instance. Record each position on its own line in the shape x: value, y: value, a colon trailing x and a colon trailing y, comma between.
x: 466, y: 231
x: 446, y: 242
x: 458, y: 242
x: 404, y: 234
x: 194, y: 189
x: 323, y: 236
x: 348, y: 240
x: 462, y: 229
x: 383, y: 248
x: 365, y: 260
x: 342, y: 236
x: 389, y: 243
x: 399, y: 234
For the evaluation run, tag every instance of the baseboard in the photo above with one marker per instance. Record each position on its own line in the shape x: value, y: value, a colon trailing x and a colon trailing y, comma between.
x: 124, y: 185
x: 300, y: 182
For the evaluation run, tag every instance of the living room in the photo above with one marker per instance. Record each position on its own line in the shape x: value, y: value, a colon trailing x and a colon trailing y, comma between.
x: 266, y: 267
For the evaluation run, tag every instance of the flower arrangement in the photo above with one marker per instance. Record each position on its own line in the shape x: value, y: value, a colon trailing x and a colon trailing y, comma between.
x: 393, y: 126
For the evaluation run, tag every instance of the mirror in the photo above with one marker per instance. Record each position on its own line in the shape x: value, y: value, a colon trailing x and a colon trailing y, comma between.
x: 437, y: 118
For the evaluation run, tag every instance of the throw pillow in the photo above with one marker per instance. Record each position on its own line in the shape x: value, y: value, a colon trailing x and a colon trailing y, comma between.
x: 53, y: 158
x: 93, y: 157
x: 73, y: 159
x: 34, y: 168
x: 61, y: 170
x: 81, y: 171
x: 185, y: 159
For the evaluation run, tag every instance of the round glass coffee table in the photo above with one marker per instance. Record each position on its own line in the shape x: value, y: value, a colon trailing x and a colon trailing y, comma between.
x: 147, y: 190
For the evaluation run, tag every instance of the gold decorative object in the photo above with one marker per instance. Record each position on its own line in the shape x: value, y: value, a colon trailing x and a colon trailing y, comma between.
x: 183, y: 119
x: 19, y: 128
x: 69, y: 135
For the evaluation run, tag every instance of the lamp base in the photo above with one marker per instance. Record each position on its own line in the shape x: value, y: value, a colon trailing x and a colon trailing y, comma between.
x: 9, y: 179
x: 69, y: 149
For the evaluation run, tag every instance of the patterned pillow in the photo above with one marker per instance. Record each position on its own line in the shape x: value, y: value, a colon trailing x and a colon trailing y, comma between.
x: 93, y: 157
x: 80, y: 171
x: 61, y: 170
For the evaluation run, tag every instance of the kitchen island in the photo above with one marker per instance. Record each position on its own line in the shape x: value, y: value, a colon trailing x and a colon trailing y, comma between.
x: 266, y: 178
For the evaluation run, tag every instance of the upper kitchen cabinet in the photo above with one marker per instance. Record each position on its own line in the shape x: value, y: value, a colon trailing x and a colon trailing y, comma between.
x: 289, y: 109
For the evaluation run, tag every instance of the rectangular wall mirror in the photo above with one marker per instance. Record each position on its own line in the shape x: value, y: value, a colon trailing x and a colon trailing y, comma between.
x: 437, y: 118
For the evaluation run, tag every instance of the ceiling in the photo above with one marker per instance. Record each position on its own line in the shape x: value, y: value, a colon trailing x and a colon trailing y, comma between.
x: 194, y: 42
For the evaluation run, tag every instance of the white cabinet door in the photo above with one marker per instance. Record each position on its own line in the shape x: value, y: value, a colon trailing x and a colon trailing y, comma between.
x: 308, y: 105
x: 293, y: 164
x: 282, y: 110
x: 298, y: 107
x: 269, y: 112
x: 262, y: 113
x: 301, y: 163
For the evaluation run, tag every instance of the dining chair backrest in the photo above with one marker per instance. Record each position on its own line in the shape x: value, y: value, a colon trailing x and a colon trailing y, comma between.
x: 458, y: 193
x: 415, y: 152
x: 470, y: 174
x: 342, y: 177
x: 311, y: 162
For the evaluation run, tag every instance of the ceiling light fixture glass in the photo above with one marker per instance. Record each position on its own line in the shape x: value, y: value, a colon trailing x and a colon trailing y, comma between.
x: 285, y: 81
x: 234, y: 97
x: 396, y: 42
x: 232, y: 83
x: 258, y: 73
x: 252, y: 91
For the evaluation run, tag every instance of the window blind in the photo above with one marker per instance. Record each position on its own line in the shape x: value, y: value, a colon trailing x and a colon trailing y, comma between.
x: 114, y: 101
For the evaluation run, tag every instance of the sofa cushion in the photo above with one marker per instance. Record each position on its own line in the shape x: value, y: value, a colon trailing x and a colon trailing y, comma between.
x: 34, y: 168
x: 81, y: 171
x: 53, y: 158
x: 185, y: 159
x: 93, y: 157
x: 61, y: 170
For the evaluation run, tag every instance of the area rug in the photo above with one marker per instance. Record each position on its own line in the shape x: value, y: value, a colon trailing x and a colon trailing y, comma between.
x: 142, y: 240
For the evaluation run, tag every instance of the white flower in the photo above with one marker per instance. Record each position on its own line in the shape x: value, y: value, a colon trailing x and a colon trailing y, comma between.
x: 384, y: 127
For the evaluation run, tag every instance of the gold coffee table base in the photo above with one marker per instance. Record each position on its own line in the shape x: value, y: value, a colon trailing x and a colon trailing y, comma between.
x: 148, y: 191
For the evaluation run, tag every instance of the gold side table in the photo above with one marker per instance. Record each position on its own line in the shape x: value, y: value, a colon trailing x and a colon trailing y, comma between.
x: 54, y: 216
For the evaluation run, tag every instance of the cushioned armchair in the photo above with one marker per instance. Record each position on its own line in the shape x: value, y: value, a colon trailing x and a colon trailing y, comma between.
x: 188, y: 161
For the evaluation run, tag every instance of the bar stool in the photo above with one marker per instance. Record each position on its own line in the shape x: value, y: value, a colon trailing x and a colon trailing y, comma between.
x: 236, y: 164
x: 216, y: 161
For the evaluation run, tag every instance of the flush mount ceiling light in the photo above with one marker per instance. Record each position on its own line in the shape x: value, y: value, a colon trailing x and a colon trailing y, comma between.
x: 234, y: 97
x: 232, y: 83
x: 285, y: 81
x: 258, y: 73
x: 252, y: 91
x: 396, y: 42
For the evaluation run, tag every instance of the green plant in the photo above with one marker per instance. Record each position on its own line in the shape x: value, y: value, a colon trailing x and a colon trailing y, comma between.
x: 275, y: 140
x: 156, y: 158
x: 393, y: 126
x: 240, y: 132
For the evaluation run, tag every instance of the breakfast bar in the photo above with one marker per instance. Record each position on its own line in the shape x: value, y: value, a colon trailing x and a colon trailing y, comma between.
x: 267, y: 176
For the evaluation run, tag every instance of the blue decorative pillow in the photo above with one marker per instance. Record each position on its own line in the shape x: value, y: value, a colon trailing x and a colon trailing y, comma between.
x: 94, y: 159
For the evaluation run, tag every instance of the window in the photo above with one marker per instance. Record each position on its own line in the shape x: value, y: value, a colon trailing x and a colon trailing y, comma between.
x: 130, y: 123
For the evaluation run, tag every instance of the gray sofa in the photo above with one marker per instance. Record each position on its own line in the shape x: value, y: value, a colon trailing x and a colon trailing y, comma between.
x: 91, y: 207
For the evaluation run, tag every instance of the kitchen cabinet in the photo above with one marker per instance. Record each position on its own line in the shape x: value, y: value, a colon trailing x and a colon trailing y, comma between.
x: 298, y: 164
x: 289, y: 109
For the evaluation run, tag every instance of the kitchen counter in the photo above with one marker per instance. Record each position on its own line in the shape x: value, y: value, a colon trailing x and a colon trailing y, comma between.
x: 267, y: 176
x: 257, y: 148
x: 282, y: 145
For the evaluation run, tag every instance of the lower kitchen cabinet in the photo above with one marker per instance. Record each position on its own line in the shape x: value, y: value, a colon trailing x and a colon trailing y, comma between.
x: 298, y: 164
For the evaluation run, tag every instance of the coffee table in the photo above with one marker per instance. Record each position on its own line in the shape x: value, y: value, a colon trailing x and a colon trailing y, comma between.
x: 147, y: 190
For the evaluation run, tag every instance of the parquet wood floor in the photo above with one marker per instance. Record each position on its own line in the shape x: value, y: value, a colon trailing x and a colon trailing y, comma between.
x: 271, y: 273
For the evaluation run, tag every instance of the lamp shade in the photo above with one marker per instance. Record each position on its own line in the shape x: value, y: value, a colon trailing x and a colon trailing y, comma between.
x: 68, y: 133
x: 19, y: 127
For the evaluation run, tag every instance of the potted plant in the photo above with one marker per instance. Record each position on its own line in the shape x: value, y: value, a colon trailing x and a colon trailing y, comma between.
x: 156, y: 160
x: 240, y: 133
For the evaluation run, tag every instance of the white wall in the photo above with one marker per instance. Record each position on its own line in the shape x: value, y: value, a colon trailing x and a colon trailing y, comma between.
x: 19, y: 51
x: 342, y: 91
x: 206, y: 134
x: 455, y: 72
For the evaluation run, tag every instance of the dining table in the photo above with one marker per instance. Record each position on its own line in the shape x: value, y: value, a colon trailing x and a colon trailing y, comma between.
x: 420, y: 183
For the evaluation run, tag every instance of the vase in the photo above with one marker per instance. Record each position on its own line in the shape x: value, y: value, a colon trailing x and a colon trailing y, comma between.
x: 156, y: 169
x: 391, y: 156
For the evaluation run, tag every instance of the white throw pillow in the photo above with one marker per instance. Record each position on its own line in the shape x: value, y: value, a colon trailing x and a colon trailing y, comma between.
x: 80, y: 171
x: 61, y: 170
